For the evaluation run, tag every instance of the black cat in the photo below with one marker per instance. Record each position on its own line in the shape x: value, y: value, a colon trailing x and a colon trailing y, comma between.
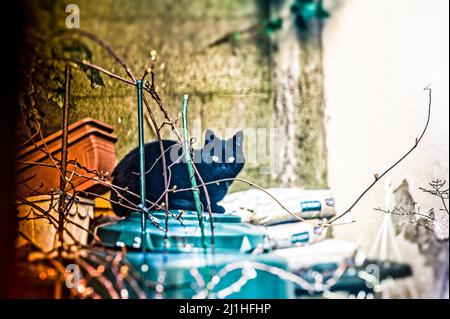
x: 218, y: 159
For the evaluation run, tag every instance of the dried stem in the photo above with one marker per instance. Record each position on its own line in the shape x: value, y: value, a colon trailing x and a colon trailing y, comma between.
x: 378, y: 177
x: 103, y: 44
x: 95, y: 67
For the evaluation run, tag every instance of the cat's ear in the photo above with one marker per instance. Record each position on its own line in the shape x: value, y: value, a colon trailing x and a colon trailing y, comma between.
x: 238, y: 138
x: 209, y: 136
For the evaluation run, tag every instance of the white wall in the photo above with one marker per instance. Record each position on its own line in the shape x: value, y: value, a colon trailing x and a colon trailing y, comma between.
x: 378, y: 57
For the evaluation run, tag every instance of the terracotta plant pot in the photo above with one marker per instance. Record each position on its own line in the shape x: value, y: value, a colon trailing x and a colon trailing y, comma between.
x: 90, y: 143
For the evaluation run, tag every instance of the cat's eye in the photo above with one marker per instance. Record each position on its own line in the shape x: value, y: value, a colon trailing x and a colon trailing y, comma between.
x: 215, y: 158
x: 231, y: 159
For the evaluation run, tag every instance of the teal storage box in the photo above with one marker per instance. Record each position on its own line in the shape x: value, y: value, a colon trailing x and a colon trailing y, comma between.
x: 183, y: 235
x: 184, y: 262
x: 180, y: 283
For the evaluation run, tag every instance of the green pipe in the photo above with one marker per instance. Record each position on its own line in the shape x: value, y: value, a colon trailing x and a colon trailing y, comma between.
x: 141, y: 159
x: 188, y: 158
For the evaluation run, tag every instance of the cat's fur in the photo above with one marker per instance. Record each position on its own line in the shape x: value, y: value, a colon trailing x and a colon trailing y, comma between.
x: 218, y: 159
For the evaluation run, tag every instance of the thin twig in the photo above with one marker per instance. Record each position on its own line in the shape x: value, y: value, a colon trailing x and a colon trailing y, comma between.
x: 103, y: 44
x: 378, y: 177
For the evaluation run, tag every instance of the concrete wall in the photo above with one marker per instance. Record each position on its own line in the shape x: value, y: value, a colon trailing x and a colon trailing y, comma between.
x: 378, y: 57
x: 229, y: 86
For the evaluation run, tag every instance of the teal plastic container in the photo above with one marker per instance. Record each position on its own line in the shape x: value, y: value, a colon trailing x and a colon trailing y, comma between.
x: 230, y: 234
x: 180, y: 283
x: 185, y: 252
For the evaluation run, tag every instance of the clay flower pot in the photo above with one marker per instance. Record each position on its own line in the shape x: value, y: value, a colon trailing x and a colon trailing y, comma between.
x: 90, y: 143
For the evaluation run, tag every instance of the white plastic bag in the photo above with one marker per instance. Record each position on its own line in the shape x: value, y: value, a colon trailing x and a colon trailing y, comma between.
x: 258, y: 208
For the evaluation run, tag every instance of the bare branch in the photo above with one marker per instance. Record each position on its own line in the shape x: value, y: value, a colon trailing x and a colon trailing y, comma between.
x: 379, y: 177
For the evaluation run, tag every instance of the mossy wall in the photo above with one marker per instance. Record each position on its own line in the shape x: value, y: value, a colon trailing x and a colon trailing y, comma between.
x: 229, y: 85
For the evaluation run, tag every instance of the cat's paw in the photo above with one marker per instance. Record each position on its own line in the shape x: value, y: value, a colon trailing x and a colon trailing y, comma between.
x: 218, y: 209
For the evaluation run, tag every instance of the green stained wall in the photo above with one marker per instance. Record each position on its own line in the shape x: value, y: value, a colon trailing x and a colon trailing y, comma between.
x: 229, y: 85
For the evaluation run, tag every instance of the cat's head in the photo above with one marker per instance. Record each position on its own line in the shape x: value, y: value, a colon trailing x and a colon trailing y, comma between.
x: 225, y: 157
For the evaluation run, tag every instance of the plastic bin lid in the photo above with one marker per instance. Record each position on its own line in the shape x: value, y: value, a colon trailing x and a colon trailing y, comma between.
x: 230, y: 235
x: 188, y: 215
